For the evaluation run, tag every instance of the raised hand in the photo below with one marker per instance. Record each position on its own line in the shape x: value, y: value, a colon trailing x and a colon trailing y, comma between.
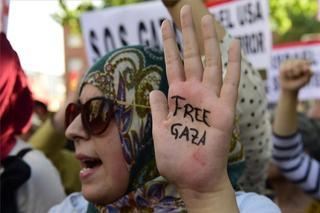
x: 294, y: 74
x: 192, y: 129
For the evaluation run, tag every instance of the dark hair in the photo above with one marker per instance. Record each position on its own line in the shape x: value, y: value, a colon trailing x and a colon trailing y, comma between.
x: 310, y: 131
x: 40, y: 104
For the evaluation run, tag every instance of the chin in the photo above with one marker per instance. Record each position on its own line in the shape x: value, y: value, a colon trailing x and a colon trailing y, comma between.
x: 99, y: 196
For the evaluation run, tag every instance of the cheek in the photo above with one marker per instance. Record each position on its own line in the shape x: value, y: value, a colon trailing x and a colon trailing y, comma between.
x: 119, y: 170
x: 116, y: 172
x: 113, y: 161
x: 114, y: 164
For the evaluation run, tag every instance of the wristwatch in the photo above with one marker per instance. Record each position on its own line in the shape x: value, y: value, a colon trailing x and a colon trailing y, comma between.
x: 170, y: 3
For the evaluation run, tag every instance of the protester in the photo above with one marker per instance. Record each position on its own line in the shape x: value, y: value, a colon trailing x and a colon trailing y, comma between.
x: 50, y: 139
x: 113, y: 131
x: 39, y: 115
x: 288, y: 152
x: 41, y: 110
x: 252, y: 113
x: 29, y: 182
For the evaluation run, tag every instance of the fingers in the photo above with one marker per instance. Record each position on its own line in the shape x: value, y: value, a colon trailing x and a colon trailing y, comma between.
x: 294, y: 74
x: 174, y: 66
x: 302, y: 67
x: 302, y: 72
x: 303, y: 80
x: 212, y: 75
x: 229, y: 90
x: 294, y: 69
x: 159, y: 107
x: 191, y: 54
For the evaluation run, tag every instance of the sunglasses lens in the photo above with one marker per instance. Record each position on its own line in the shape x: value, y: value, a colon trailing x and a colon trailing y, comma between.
x: 72, y: 111
x: 97, y: 115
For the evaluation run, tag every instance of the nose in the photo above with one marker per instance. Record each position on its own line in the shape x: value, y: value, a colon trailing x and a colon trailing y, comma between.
x: 75, y: 130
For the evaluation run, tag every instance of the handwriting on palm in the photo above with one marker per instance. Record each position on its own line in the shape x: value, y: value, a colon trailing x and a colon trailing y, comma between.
x: 192, y: 129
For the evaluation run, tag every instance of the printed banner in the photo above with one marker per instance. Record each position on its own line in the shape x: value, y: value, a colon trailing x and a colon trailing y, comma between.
x: 300, y: 50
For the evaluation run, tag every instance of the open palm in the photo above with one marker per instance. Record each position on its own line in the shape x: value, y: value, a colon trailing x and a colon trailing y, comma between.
x: 192, y: 129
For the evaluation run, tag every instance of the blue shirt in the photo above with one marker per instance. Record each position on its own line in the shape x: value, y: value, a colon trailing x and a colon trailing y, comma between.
x: 247, y: 203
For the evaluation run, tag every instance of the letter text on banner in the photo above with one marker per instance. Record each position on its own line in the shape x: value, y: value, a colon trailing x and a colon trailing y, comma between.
x: 247, y: 20
x: 114, y: 27
x: 300, y: 50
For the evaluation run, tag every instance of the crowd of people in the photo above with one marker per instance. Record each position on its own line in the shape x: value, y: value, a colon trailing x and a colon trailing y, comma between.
x: 159, y: 131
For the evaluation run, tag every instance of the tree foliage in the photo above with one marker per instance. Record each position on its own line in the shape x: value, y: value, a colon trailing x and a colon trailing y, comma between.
x: 70, y: 17
x: 290, y: 19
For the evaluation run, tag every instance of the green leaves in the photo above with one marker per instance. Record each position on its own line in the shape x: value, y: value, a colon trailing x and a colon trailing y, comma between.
x: 70, y: 17
x: 290, y: 19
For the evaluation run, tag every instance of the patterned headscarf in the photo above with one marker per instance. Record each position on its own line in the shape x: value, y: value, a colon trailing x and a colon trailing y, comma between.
x: 16, y: 104
x: 128, y: 75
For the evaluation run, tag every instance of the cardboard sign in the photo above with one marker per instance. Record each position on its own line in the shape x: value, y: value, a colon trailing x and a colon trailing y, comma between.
x: 299, y: 50
x: 247, y: 20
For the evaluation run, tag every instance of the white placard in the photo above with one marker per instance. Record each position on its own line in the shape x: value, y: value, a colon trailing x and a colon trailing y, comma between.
x: 114, y: 27
x: 247, y: 20
x: 301, y: 50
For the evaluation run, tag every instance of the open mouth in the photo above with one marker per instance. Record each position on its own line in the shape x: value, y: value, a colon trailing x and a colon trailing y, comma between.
x: 89, y: 166
x: 91, y: 163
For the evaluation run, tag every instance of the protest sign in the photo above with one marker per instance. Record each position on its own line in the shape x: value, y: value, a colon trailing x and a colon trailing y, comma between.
x: 110, y: 28
x: 247, y: 20
x: 299, y: 50
x: 115, y: 27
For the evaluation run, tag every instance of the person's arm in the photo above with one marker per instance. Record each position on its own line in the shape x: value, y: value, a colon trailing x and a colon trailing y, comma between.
x: 192, y: 129
x: 254, y: 124
x: 295, y: 164
x: 198, y: 11
x: 288, y: 153
x: 294, y: 74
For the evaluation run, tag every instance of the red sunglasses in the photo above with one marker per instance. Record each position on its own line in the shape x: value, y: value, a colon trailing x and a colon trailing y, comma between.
x: 96, y: 113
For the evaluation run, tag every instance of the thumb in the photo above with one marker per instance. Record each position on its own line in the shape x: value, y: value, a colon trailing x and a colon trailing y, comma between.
x: 159, y: 107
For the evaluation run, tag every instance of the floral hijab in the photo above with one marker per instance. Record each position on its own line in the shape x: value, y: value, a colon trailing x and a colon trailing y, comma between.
x: 127, y: 76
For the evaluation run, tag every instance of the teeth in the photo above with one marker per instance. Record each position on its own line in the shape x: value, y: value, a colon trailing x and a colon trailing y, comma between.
x: 84, y: 170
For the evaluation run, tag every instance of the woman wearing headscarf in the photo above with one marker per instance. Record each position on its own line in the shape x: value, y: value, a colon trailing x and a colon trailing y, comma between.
x: 117, y: 140
x: 29, y: 182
